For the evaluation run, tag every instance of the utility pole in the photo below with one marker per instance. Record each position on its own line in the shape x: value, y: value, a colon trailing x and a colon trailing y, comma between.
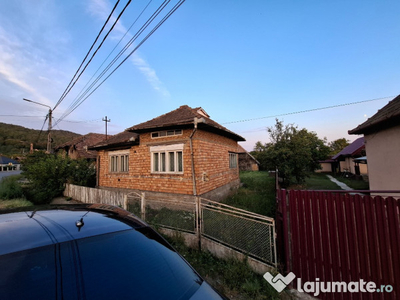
x: 106, y: 120
x: 50, y: 115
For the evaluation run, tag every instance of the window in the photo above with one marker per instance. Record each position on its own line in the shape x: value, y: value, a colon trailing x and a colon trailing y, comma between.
x: 167, y: 159
x: 233, y: 159
x: 164, y: 133
x: 119, y: 162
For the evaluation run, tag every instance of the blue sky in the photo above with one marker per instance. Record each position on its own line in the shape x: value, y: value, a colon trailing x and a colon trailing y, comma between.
x: 239, y: 60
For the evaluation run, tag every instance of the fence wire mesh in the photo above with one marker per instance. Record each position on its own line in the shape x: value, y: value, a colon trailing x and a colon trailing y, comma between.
x: 250, y: 233
x: 247, y: 232
x: 174, y: 214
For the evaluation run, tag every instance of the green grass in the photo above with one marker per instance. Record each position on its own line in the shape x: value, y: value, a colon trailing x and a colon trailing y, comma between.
x: 231, y: 277
x: 319, y: 181
x: 256, y: 195
x: 14, y: 203
x: 354, y: 184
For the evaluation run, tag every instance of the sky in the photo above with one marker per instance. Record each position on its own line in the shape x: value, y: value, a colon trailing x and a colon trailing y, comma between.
x: 245, y: 63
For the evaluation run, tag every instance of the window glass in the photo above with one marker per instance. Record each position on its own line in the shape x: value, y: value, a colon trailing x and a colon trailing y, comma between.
x: 155, y: 162
x: 180, y: 161
x: 171, y: 161
x: 30, y: 274
x: 130, y: 265
x: 162, y: 160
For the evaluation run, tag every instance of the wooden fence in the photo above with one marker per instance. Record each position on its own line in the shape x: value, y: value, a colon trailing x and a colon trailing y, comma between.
x: 330, y: 236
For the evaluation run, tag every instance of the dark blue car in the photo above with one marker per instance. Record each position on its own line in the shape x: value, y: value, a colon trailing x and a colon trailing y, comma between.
x: 91, y: 252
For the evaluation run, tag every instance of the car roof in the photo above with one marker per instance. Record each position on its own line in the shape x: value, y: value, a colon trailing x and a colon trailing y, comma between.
x: 56, y: 224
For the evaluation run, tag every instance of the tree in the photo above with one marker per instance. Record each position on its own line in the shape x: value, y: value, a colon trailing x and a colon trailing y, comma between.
x: 337, y: 145
x: 296, y: 153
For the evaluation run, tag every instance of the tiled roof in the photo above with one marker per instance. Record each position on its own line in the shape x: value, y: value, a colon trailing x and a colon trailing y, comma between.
x: 82, y: 143
x: 5, y: 161
x: 182, y: 116
x: 120, y: 139
x: 386, y: 117
x: 351, y: 149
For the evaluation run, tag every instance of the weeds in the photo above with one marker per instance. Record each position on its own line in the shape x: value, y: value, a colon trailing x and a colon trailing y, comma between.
x: 10, y: 188
x: 257, y: 193
x: 231, y: 277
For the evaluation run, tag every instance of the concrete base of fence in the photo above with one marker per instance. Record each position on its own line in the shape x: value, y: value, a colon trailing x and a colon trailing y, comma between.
x: 218, y: 250
x: 190, y: 239
x: 224, y: 252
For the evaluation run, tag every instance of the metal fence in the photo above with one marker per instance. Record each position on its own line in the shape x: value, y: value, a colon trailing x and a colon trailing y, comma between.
x: 246, y: 232
x: 173, y: 214
x: 242, y: 230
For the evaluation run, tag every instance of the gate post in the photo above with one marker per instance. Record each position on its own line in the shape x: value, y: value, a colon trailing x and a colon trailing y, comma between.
x: 143, y: 206
x: 198, y: 218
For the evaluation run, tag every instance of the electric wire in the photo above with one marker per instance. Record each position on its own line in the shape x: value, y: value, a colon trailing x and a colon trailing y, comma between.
x: 308, y: 110
x: 102, y: 42
x: 174, y: 8
x: 69, y: 87
x: 79, y: 100
x: 115, y: 47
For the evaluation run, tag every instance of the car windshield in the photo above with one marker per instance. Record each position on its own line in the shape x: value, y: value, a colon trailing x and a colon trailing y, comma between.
x: 121, y: 265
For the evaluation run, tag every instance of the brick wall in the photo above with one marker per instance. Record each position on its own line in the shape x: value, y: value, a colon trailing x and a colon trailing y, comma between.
x: 211, y: 158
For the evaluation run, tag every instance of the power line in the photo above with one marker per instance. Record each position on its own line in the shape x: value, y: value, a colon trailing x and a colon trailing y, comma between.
x: 148, y: 22
x: 70, y: 85
x: 308, y: 110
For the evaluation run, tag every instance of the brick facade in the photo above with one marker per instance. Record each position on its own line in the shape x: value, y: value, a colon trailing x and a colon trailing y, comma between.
x: 210, y: 158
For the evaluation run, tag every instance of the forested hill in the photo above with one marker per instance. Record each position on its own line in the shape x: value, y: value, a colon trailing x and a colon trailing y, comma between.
x: 15, y: 140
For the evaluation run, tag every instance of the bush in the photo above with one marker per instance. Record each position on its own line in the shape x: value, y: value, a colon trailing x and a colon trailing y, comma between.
x: 48, y: 173
x: 10, y: 188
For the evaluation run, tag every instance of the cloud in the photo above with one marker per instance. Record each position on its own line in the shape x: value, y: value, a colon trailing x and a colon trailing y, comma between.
x: 101, y: 9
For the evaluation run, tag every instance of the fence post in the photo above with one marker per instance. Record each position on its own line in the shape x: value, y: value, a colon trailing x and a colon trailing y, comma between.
x: 143, y: 206
x: 285, y: 217
x: 198, y: 217
x: 126, y: 202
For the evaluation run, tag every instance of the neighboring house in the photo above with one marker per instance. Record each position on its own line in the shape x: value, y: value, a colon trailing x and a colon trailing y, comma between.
x: 78, y: 147
x: 8, y: 164
x: 247, y: 162
x: 382, y: 141
x: 344, y: 161
x: 180, y: 152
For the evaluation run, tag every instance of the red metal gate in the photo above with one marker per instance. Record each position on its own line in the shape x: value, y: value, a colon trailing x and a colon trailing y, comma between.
x: 333, y: 236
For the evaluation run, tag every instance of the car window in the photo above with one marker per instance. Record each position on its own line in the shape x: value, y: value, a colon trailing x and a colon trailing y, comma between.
x: 121, y: 265
x: 29, y: 274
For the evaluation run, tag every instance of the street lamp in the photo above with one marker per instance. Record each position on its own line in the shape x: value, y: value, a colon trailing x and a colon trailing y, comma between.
x: 50, y: 123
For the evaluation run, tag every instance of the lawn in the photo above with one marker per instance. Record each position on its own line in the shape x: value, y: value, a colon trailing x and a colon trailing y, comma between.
x: 257, y: 193
x: 319, y: 181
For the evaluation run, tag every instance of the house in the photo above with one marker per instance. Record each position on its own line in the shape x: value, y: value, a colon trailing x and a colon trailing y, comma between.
x: 183, y: 152
x: 247, y: 162
x: 8, y: 164
x: 347, y: 161
x: 344, y: 160
x: 382, y: 141
x: 79, y: 147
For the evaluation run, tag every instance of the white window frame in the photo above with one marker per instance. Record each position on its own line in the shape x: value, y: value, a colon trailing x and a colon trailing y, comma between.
x: 233, y: 160
x: 166, y: 133
x: 118, y: 161
x: 167, y: 159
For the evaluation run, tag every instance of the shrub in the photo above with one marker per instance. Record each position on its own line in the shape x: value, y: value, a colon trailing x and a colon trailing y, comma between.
x: 10, y: 188
x: 48, y: 173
